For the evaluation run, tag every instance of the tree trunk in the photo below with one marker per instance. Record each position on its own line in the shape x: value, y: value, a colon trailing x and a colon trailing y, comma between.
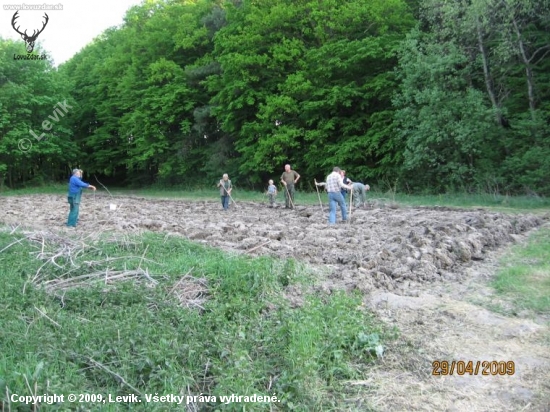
x: 528, y: 71
x: 487, y: 75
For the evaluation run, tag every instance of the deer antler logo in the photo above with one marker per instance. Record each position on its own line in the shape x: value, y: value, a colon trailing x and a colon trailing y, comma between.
x: 29, y: 40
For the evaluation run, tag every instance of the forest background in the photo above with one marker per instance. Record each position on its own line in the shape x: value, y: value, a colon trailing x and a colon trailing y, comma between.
x: 424, y: 96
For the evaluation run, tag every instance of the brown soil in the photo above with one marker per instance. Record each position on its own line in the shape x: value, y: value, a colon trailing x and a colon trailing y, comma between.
x: 424, y: 270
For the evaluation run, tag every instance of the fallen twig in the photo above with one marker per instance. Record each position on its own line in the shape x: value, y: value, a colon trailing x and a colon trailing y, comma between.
x: 116, y: 375
x: 257, y: 247
x: 91, y: 263
x: 11, y: 244
x: 142, y: 256
x: 146, y: 274
x: 96, y: 276
x: 47, y: 317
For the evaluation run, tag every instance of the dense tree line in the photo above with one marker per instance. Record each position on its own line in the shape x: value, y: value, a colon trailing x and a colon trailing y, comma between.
x: 431, y: 95
x: 30, y: 92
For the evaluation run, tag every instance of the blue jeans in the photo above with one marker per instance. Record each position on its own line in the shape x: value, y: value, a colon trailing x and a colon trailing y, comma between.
x: 74, y: 202
x: 333, y: 199
x: 225, y: 202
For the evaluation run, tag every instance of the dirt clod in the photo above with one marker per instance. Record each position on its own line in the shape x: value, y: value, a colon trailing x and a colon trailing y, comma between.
x: 424, y: 270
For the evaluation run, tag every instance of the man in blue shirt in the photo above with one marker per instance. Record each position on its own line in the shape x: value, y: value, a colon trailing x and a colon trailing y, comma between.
x: 75, y: 192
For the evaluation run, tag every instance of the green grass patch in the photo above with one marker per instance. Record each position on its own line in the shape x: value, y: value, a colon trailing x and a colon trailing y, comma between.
x: 497, y: 202
x: 525, y: 275
x: 307, y: 197
x: 34, y: 190
x: 63, y: 333
x: 466, y: 200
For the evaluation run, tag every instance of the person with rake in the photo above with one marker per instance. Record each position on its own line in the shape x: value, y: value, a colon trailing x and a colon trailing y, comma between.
x: 225, y: 190
x: 334, y: 185
x: 75, y: 192
x: 289, y: 178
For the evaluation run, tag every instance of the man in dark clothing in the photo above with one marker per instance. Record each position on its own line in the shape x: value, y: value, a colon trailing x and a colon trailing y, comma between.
x: 75, y: 192
x: 346, y: 181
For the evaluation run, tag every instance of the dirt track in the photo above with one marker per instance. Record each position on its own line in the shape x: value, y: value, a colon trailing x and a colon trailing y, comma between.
x: 423, y: 269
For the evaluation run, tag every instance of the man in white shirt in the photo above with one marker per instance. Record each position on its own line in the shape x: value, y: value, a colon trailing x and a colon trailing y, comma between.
x: 333, y: 186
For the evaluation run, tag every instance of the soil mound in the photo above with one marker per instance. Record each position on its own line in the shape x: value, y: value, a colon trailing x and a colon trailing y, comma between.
x: 383, y: 248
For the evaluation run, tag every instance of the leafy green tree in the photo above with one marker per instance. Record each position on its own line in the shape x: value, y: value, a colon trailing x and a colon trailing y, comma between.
x: 446, y: 124
x: 213, y: 86
x: 482, y: 55
x: 308, y: 83
x: 96, y: 74
x: 143, y: 113
x: 35, y: 106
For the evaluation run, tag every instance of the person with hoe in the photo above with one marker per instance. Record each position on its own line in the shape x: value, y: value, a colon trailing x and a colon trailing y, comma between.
x: 225, y: 190
x: 289, y: 179
x: 334, y: 184
x: 75, y: 192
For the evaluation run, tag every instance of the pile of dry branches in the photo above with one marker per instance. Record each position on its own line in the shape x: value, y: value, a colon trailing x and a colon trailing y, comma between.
x: 79, y: 260
x: 70, y: 256
x: 190, y: 291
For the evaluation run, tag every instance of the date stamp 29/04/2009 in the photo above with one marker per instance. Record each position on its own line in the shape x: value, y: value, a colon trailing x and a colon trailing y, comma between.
x: 483, y: 368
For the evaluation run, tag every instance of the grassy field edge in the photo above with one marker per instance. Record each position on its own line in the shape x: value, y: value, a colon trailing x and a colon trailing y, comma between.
x: 158, y: 314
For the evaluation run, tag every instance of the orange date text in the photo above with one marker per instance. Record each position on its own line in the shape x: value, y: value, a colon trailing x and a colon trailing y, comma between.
x: 483, y: 368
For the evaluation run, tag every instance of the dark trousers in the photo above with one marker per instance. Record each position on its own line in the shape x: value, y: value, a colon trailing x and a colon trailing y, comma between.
x: 74, y: 203
x: 289, y: 195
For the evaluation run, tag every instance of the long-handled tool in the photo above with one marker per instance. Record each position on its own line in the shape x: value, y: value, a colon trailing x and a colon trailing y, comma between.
x: 289, y: 197
x: 112, y: 206
x: 318, y: 195
x: 104, y: 187
x: 350, y: 203
x: 228, y: 194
